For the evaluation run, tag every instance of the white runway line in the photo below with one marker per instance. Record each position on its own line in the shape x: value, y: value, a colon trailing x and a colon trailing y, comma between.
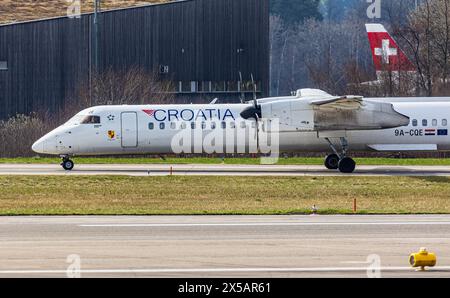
x: 263, y: 224
x: 222, y: 270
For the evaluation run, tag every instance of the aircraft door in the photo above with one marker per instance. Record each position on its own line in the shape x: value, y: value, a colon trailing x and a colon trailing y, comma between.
x: 129, y: 129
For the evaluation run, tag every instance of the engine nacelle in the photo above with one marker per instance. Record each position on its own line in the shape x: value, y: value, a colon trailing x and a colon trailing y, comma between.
x: 370, y: 116
x: 301, y: 115
x: 293, y: 115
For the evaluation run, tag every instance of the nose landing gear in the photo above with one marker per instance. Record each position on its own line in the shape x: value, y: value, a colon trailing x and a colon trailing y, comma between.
x: 67, y: 164
x: 340, y: 161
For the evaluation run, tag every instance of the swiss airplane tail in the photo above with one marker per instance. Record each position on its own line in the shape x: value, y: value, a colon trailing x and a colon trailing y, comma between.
x: 387, y: 56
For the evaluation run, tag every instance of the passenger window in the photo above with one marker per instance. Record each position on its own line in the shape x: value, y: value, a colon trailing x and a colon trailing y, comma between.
x: 424, y: 122
x: 192, y: 125
x: 243, y: 125
x: 91, y: 120
x: 434, y: 122
x: 232, y: 125
x: 203, y: 125
x: 444, y: 122
x: 414, y: 122
x: 224, y: 125
x: 151, y: 125
x: 162, y: 125
x: 173, y: 125
x: 183, y: 125
x: 213, y: 125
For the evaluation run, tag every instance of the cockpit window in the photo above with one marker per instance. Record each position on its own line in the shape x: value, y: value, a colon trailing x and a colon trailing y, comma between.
x: 75, y: 120
x: 90, y: 120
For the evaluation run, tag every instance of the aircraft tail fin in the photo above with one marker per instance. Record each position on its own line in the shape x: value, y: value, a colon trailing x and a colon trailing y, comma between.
x: 387, y: 55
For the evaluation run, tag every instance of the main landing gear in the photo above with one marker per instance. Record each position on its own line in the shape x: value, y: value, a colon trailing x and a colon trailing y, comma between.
x: 341, y: 161
x: 67, y: 164
x: 332, y: 162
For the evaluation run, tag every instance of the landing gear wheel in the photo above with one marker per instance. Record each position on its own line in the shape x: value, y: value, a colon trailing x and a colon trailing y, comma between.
x: 347, y: 165
x: 67, y: 164
x: 332, y: 162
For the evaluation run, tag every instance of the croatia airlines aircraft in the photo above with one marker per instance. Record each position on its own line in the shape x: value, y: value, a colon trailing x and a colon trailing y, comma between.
x: 310, y: 121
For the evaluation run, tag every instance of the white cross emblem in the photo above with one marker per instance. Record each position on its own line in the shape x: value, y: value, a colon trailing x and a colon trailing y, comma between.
x: 385, y: 51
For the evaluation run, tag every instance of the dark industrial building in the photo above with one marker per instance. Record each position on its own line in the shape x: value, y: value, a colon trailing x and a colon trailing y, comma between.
x: 202, y: 46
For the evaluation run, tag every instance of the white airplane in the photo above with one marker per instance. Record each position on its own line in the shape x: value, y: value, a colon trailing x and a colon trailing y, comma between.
x: 310, y: 121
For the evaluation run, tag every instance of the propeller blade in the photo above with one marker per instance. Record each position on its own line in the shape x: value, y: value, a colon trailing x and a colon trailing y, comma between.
x: 240, y: 85
x: 257, y: 132
x: 255, y: 101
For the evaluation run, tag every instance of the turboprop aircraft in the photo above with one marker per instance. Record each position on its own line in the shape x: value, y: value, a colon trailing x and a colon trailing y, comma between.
x: 309, y: 121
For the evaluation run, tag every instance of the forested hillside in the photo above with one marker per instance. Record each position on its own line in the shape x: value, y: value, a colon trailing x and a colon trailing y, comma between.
x: 295, y: 11
x: 323, y: 44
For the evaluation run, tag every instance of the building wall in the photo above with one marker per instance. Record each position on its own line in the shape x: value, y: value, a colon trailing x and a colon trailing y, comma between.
x: 198, y: 40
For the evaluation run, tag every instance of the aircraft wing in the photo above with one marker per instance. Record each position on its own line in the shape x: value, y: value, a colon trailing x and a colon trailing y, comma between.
x: 343, y: 102
x: 353, y: 113
x: 316, y: 110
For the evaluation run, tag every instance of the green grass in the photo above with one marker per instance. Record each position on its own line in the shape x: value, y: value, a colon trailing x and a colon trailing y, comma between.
x: 102, y: 195
x: 204, y: 160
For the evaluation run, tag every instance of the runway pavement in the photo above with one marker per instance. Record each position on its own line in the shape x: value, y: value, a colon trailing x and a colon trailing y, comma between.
x: 221, y: 246
x: 220, y: 170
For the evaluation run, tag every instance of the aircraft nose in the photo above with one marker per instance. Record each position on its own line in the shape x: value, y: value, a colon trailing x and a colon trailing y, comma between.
x: 38, y: 146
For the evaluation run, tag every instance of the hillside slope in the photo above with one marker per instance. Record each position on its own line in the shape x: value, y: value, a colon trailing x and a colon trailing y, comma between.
x: 24, y: 10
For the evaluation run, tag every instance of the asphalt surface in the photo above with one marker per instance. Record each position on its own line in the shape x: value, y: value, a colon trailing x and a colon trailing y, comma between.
x: 221, y: 246
x: 219, y: 170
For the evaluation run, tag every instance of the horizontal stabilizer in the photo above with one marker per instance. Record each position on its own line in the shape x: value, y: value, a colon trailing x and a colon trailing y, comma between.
x: 403, y: 147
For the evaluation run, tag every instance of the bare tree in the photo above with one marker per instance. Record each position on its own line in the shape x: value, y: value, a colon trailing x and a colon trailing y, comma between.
x: 334, y: 55
x: 427, y: 36
x: 330, y: 50
x: 131, y: 86
x: 18, y: 133
x: 279, y: 41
